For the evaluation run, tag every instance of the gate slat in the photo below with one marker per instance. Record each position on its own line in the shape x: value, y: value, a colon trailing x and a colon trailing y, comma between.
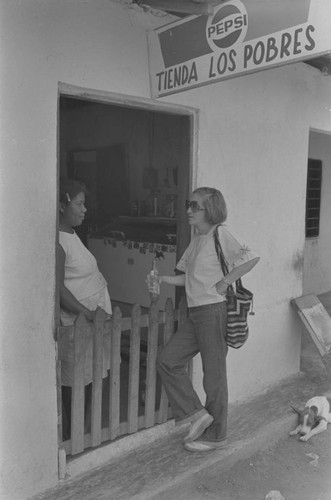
x: 81, y: 332
x: 168, y: 333
x: 133, y: 392
x: 98, y: 331
x: 59, y: 401
x: 115, y: 363
x: 151, y: 365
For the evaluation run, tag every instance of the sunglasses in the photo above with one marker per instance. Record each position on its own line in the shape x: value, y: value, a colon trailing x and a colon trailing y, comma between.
x: 194, y: 206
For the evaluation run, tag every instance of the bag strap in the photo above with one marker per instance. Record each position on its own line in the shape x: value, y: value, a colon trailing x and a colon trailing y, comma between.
x: 223, y: 262
x: 219, y: 252
x: 224, y: 265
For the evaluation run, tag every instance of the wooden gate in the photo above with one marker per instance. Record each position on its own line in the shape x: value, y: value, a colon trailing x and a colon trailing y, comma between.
x: 145, y: 333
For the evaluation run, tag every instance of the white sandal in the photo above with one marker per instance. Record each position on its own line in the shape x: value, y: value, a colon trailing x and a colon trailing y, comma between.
x: 198, y: 427
x: 205, y: 446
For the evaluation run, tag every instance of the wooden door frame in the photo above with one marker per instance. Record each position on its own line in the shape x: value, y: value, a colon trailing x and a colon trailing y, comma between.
x: 190, y: 143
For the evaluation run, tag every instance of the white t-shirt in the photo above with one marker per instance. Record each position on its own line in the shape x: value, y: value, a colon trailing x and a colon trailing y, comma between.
x: 81, y: 274
x: 84, y: 280
x: 202, y: 268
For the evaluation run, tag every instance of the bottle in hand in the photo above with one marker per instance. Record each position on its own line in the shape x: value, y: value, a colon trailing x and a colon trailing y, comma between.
x: 153, y: 283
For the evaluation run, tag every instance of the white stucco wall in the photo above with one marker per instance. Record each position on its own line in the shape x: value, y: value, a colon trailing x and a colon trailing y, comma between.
x: 92, y: 44
x: 253, y: 143
x: 317, y: 268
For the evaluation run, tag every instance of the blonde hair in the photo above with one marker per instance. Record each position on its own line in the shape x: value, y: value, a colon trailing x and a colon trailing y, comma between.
x: 214, y: 204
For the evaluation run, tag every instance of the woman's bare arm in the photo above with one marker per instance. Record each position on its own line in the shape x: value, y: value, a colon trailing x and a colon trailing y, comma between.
x: 178, y: 280
x: 235, y: 274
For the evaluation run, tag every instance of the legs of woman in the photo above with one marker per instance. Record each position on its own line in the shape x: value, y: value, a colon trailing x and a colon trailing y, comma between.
x: 213, y: 350
x: 171, y: 365
x: 203, y: 332
x: 210, y: 326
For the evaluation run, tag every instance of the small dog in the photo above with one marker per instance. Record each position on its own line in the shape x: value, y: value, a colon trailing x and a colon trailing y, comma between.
x: 313, y: 419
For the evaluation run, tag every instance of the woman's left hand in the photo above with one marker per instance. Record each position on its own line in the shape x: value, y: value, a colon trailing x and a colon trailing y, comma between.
x: 108, y: 315
x: 221, y: 287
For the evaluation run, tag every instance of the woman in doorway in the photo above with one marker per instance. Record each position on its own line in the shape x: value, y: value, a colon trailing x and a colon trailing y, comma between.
x: 82, y: 287
x: 205, y: 328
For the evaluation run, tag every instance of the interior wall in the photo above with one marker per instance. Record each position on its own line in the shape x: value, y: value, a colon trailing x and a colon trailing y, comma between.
x: 317, y: 267
x: 150, y: 139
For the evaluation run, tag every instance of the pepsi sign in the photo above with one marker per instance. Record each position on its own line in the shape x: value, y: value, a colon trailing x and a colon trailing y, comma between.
x: 228, y: 26
x: 240, y: 37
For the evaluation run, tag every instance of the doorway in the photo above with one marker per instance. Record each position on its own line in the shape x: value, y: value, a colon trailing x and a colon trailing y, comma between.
x: 136, y: 163
x: 317, y: 268
x: 136, y: 159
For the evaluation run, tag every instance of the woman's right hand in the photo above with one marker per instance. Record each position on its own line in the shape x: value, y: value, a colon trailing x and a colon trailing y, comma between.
x: 153, y: 283
x: 152, y: 280
x: 221, y: 287
x: 90, y: 315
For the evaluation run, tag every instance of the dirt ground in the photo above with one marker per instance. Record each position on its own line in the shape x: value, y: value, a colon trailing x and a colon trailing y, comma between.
x: 291, y: 469
x: 297, y: 470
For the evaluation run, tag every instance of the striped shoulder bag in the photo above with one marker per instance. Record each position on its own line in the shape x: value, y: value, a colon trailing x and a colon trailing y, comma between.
x: 239, y: 303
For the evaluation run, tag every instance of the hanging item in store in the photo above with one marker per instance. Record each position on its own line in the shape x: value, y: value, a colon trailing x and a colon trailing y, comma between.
x: 142, y: 246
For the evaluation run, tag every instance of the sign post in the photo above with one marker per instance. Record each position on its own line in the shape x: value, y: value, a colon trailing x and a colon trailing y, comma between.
x: 241, y: 37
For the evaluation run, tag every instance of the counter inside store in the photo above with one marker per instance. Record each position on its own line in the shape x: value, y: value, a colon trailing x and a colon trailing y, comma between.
x: 125, y: 250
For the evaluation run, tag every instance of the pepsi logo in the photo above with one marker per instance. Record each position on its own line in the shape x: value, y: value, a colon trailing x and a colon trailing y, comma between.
x: 227, y: 26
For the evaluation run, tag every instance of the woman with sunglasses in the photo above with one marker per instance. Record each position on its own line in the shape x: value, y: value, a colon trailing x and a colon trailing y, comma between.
x: 205, y: 328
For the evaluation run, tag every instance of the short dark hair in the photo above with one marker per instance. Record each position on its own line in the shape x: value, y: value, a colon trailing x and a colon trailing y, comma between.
x: 69, y: 189
x: 214, y: 204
